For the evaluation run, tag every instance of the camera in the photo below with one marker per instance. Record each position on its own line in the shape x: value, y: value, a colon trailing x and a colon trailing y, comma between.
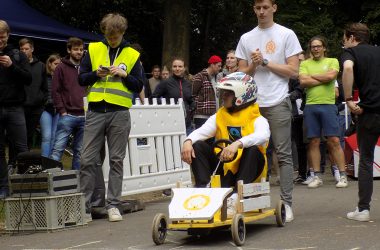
x: 2, y: 53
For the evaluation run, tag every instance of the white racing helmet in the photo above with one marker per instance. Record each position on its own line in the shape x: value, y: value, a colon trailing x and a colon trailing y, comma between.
x: 242, y: 85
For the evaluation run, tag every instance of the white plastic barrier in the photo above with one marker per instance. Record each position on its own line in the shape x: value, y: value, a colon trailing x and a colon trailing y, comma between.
x: 153, y: 158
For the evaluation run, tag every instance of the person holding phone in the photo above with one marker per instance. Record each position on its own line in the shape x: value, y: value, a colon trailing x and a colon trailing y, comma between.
x: 14, y: 74
x: 112, y: 71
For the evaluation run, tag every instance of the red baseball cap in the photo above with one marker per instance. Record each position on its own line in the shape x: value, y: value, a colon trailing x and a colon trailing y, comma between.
x: 214, y: 59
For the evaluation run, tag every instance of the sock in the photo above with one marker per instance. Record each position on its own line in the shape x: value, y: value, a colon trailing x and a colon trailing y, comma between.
x: 342, y: 173
x: 335, y: 170
x: 311, y: 172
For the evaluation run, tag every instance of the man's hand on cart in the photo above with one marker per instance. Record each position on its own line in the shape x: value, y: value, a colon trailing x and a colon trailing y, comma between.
x: 187, y: 151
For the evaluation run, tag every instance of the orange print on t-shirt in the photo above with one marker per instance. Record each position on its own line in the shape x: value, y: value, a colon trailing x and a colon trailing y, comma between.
x: 270, y: 48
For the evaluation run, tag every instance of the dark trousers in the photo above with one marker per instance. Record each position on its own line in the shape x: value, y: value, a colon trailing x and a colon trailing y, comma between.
x: 252, y: 163
x: 368, y: 132
x: 297, y: 136
x: 32, y: 120
x: 12, y: 122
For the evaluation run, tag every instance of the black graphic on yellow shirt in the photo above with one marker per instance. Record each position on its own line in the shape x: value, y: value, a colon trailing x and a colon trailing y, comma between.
x: 234, y: 133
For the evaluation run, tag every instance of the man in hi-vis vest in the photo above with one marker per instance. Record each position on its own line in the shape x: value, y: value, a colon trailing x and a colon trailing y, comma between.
x: 112, y: 71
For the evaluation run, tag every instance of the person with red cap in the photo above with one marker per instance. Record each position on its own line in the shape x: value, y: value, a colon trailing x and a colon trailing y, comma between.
x: 204, y: 91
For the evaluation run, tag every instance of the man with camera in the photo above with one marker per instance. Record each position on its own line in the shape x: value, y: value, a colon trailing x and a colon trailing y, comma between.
x: 14, y: 74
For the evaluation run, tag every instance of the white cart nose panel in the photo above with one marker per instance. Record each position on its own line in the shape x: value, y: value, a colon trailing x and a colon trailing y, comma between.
x: 196, y: 203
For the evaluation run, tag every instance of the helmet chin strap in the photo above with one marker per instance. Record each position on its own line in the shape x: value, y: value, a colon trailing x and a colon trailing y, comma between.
x: 235, y: 108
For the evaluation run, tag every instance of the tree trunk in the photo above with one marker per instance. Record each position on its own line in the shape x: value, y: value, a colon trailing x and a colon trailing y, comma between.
x: 176, y: 39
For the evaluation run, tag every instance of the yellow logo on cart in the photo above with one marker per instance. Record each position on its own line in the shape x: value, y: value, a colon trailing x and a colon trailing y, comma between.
x: 196, y: 202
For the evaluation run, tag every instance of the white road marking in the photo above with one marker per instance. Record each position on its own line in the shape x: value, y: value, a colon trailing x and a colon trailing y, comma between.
x: 298, y: 248
x: 176, y: 248
x: 85, y: 244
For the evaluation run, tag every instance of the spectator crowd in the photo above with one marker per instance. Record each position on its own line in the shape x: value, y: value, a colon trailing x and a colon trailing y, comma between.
x: 298, y: 98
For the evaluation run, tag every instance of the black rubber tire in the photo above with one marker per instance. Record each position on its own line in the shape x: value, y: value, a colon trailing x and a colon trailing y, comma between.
x: 159, y: 229
x: 238, y: 229
x: 280, y: 213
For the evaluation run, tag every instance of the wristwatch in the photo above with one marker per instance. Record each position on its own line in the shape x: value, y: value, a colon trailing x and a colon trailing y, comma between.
x: 265, y: 62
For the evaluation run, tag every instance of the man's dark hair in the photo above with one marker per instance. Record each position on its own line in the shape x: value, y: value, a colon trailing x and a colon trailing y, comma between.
x: 24, y: 41
x: 322, y: 39
x: 359, y: 31
x: 156, y: 67
x: 73, y: 42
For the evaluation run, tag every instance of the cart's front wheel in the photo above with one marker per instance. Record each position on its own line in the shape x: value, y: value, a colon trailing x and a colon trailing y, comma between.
x: 238, y: 229
x: 280, y: 213
x: 159, y: 229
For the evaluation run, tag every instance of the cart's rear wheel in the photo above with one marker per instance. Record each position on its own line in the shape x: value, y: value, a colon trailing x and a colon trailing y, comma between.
x: 280, y: 213
x: 238, y: 229
x: 159, y: 229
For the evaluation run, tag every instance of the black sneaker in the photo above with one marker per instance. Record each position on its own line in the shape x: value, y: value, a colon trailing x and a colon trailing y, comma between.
x: 299, y: 180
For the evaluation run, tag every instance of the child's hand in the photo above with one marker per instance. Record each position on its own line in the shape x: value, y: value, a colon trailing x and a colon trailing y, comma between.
x: 229, y: 152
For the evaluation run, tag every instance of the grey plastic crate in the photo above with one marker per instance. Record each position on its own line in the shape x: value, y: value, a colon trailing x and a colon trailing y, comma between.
x: 49, y: 182
x: 44, y: 213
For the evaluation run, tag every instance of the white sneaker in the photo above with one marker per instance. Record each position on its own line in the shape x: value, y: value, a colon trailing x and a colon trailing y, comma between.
x: 359, y: 216
x: 231, y: 205
x: 316, y: 182
x: 342, y: 183
x: 114, y: 214
x: 308, y: 180
x: 289, y: 213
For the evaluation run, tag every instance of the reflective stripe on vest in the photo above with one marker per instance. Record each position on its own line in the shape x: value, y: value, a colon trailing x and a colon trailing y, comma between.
x: 111, y: 88
x: 112, y: 91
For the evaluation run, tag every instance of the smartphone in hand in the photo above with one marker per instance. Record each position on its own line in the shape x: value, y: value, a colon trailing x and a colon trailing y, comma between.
x: 105, y: 68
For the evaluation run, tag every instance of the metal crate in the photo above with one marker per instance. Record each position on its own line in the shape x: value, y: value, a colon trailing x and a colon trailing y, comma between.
x: 44, y: 213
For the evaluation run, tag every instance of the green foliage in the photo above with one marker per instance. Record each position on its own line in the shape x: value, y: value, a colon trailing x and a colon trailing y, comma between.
x: 216, y: 25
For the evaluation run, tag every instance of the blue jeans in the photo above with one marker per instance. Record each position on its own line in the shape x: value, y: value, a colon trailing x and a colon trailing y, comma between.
x: 48, y: 123
x: 67, y: 125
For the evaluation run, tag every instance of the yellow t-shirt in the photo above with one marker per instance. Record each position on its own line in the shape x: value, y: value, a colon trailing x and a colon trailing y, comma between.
x: 234, y: 126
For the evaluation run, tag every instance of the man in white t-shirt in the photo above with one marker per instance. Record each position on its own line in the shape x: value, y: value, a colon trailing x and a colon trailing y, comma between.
x: 269, y: 52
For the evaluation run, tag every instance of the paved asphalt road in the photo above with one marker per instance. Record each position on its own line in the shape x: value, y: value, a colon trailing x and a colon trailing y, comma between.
x: 319, y: 224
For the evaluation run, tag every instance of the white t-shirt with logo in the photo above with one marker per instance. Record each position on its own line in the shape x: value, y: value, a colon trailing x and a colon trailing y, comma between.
x: 276, y: 44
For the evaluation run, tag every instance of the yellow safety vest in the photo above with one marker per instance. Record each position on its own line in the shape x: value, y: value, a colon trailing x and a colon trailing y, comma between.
x: 234, y: 126
x: 111, y: 88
